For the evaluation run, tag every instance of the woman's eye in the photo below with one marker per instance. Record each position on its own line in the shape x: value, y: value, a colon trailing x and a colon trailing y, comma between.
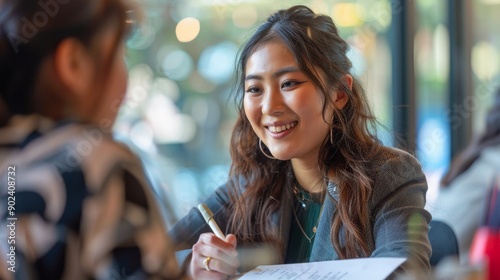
x: 288, y: 84
x: 252, y: 90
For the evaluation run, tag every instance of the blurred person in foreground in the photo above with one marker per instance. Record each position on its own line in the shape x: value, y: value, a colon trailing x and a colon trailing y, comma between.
x: 81, y: 207
x: 308, y: 176
x: 465, y: 188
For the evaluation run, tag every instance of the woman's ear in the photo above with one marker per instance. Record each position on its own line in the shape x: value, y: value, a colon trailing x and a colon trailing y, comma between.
x: 73, y: 67
x: 341, y: 97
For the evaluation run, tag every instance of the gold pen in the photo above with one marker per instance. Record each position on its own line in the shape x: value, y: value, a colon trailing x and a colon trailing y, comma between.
x: 208, y: 216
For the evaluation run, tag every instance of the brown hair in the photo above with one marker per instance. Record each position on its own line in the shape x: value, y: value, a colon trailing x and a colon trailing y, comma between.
x: 30, y: 31
x: 315, y: 43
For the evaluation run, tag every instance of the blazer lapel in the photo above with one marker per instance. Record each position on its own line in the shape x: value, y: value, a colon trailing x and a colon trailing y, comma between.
x: 322, y: 248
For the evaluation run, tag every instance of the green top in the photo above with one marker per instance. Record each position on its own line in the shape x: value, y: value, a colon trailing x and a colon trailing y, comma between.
x: 304, y: 224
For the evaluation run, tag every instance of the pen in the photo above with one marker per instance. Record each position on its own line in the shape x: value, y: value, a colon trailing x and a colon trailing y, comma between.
x: 208, y: 216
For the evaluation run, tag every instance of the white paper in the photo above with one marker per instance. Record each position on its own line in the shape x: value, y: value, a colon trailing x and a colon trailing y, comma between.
x: 355, y: 269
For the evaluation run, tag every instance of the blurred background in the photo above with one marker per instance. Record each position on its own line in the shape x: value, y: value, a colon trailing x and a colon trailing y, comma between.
x: 429, y: 69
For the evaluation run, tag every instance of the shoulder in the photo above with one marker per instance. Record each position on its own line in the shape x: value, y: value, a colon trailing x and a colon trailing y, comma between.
x: 395, y: 169
x: 75, y: 149
x: 88, y: 145
x: 71, y: 143
x: 99, y: 155
x: 394, y: 164
x: 90, y: 141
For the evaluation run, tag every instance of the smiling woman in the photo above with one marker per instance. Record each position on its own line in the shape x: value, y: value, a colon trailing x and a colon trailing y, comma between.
x: 308, y: 177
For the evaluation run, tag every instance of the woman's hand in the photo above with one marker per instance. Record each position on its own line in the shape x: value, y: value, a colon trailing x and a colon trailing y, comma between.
x: 219, y: 255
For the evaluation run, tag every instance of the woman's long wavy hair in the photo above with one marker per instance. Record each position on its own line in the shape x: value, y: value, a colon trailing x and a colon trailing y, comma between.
x: 30, y: 32
x: 317, y: 47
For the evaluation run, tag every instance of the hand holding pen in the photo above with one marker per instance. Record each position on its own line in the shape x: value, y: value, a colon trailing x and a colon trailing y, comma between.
x: 214, y: 256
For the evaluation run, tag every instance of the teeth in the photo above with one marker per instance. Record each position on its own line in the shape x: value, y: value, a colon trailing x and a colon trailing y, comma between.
x: 281, y: 128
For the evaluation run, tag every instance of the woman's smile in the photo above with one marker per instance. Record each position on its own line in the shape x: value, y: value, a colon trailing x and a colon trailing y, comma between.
x: 280, y: 130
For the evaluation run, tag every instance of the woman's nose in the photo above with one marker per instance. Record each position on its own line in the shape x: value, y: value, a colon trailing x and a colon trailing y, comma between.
x: 273, y: 103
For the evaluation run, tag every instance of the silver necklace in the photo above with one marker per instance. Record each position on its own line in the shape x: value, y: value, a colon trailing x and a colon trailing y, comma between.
x: 299, y: 195
x: 314, y: 229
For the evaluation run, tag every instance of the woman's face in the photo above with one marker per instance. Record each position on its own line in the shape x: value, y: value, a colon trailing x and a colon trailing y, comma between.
x: 284, y: 108
x: 111, y: 93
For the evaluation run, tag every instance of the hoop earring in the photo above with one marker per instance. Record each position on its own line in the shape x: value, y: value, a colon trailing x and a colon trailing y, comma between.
x: 263, y: 152
x: 331, y: 135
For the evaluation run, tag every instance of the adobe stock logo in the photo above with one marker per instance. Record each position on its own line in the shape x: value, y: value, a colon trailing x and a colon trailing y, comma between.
x: 29, y: 28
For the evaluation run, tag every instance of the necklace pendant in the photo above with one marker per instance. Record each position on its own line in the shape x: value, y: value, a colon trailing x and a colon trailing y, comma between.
x: 314, y: 229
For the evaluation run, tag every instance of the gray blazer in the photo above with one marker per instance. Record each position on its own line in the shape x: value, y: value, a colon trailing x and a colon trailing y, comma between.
x: 398, y: 218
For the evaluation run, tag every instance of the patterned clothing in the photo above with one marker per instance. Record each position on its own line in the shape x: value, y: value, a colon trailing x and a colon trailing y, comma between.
x: 82, y: 206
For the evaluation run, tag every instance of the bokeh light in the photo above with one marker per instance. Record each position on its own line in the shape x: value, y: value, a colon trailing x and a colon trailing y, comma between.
x: 358, y: 61
x: 382, y: 14
x: 141, y: 135
x: 187, y: 29
x: 423, y: 51
x: 485, y: 60
x: 216, y: 62
x: 441, y: 52
x: 348, y: 14
x: 166, y: 87
x: 168, y: 124
x: 142, y: 36
x: 431, y: 138
x: 177, y: 65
